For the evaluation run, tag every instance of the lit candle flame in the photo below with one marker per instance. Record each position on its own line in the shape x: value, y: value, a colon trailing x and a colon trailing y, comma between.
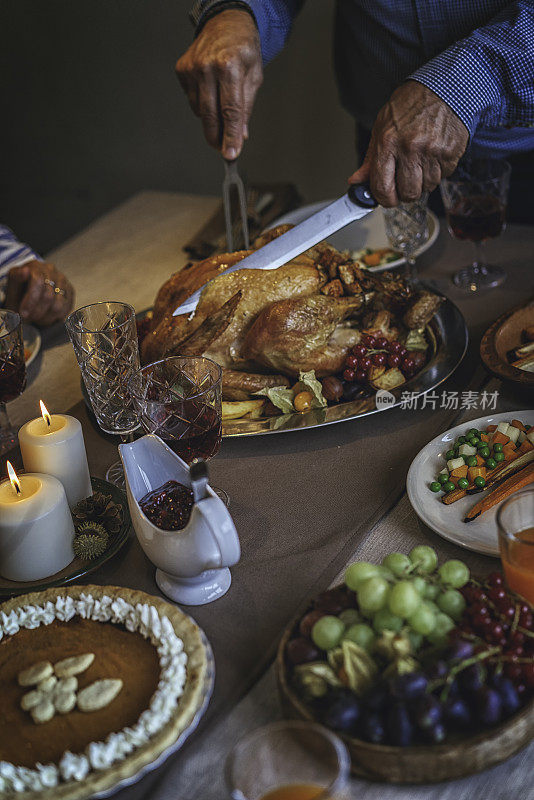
x: 15, y: 483
x: 44, y: 412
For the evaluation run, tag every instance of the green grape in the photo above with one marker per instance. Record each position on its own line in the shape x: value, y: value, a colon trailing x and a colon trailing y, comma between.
x: 403, y: 599
x: 433, y: 606
x: 359, y: 572
x: 384, y: 620
x: 419, y: 585
x: 425, y: 558
x: 398, y: 563
x: 423, y: 619
x: 349, y: 616
x: 431, y: 591
x: 327, y: 632
x: 372, y: 595
x: 454, y: 573
x: 416, y: 640
x: 452, y: 603
x: 443, y: 624
x: 361, y: 635
x: 386, y: 573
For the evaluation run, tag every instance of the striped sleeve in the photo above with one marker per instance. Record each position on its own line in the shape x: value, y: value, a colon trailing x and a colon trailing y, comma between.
x: 488, y: 77
x: 12, y: 252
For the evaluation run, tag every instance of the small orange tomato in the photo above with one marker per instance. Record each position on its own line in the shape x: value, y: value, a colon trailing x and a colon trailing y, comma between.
x: 303, y: 401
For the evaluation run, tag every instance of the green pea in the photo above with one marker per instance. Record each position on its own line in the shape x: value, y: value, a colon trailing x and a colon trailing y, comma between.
x: 462, y: 439
x: 463, y: 483
x: 443, y: 478
x: 472, y: 461
x: 491, y: 463
x: 435, y: 486
x: 473, y: 432
x: 449, y: 487
x: 497, y: 448
x: 474, y: 441
x: 499, y: 456
x: 480, y: 482
x: 449, y: 454
x: 484, y: 452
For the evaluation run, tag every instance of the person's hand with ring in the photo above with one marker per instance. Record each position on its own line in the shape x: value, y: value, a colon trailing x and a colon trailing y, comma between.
x: 39, y: 292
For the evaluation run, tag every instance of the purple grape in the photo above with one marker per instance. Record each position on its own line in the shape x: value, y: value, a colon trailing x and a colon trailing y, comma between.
x: 460, y: 650
x: 437, y: 670
x: 377, y: 698
x: 435, y: 734
x: 372, y: 728
x: 457, y: 712
x: 427, y: 712
x: 472, y: 678
x: 509, y: 697
x: 488, y: 705
x: 399, y: 727
x: 341, y: 710
x: 409, y: 686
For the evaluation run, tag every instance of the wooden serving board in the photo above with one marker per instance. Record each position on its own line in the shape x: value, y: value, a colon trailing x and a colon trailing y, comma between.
x: 421, y: 763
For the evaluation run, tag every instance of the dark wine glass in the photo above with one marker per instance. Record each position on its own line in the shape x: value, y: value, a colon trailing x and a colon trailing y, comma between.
x: 475, y: 198
x: 179, y: 400
x: 12, y: 373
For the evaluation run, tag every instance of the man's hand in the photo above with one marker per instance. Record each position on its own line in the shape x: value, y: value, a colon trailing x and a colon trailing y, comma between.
x: 416, y: 140
x: 221, y: 73
x: 31, y: 290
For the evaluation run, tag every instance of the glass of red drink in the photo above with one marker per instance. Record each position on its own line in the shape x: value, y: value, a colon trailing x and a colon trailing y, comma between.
x: 179, y: 400
x: 515, y: 521
x: 475, y: 198
x: 12, y: 373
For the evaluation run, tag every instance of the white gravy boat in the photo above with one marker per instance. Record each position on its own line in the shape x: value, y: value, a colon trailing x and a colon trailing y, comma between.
x: 192, y: 563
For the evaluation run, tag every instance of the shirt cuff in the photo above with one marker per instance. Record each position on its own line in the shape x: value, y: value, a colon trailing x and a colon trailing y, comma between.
x: 464, y: 82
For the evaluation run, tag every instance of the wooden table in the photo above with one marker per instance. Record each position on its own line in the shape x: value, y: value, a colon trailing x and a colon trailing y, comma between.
x: 126, y: 255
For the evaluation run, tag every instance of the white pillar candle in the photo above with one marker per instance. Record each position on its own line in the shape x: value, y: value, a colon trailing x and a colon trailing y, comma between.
x: 54, y: 444
x: 36, y: 529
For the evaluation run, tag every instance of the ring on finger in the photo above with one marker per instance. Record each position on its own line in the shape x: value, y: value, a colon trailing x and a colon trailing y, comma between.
x: 50, y: 283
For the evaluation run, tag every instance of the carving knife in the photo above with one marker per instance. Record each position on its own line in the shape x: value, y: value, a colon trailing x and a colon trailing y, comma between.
x: 356, y: 203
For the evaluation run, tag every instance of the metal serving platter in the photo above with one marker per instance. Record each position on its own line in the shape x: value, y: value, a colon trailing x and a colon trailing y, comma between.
x: 448, y: 337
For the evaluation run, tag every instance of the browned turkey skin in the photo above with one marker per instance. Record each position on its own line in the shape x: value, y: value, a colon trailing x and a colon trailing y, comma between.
x: 303, y: 316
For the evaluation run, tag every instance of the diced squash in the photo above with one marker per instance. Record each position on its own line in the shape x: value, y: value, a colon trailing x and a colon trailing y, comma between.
x: 460, y: 472
x: 509, y: 451
x: 444, y: 471
x: 484, y: 437
x: 513, y: 433
x: 530, y: 435
x: 521, y: 438
x: 454, y: 463
x: 467, y: 450
x: 480, y: 461
x: 454, y: 479
x: 517, y: 424
x: 500, y: 438
x: 526, y: 445
x: 502, y: 427
x: 475, y: 472
x: 491, y: 428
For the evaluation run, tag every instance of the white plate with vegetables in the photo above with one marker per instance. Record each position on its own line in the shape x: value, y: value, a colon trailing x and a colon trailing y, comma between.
x: 466, y: 472
x: 366, y: 239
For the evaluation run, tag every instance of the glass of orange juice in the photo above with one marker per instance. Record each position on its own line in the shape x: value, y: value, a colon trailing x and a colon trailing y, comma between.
x: 515, y: 521
x: 288, y: 760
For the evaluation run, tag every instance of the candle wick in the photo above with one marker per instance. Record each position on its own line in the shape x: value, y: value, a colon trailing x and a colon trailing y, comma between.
x: 48, y: 421
x: 17, y: 488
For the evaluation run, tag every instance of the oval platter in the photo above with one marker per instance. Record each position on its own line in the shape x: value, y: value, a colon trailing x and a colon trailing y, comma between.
x: 421, y: 763
x: 505, y: 335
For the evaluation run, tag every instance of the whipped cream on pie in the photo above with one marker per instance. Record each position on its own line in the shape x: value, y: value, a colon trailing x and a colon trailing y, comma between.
x: 141, y: 618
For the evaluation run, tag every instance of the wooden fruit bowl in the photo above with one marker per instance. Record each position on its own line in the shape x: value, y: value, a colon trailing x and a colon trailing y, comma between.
x: 501, y: 337
x: 421, y: 763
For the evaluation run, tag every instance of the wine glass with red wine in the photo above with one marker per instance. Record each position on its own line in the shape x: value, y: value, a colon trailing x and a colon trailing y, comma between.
x: 475, y: 198
x: 179, y: 400
x: 12, y: 373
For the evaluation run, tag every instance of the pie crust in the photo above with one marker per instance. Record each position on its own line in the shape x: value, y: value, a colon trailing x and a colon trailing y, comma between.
x: 190, y: 702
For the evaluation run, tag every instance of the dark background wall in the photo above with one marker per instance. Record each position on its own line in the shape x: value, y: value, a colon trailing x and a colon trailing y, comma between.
x: 92, y: 112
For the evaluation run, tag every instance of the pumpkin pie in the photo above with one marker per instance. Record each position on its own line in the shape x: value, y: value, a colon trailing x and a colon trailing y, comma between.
x: 157, y: 661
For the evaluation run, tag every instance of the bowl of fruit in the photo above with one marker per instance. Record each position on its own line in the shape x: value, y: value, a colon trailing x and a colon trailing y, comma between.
x: 426, y: 672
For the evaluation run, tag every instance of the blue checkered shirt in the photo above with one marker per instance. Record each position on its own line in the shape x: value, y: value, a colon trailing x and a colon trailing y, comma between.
x: 477, y: 55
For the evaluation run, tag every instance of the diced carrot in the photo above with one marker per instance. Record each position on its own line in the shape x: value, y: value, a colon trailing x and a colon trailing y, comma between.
x: 516, y: 424
x: 475, y: 472
x: 460, y: 472
x: 500, y: 438
x: 484, y: 437
x: 480, y: 460
x: 373, y: 259
x: 454, y: 479
x: 491, y: 428
x: 525, y: 446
